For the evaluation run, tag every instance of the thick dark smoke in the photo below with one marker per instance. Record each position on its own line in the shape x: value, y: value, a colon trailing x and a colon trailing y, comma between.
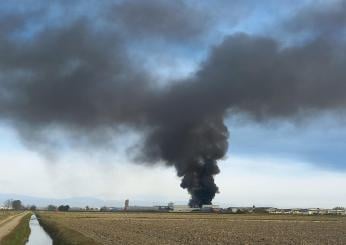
x: 78, y: 77
x: 162, y: 19
x: 256, y: 75
x: 327, y: 19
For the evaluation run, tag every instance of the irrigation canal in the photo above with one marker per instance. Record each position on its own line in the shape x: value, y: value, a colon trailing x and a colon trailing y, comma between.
x: 38, y: 236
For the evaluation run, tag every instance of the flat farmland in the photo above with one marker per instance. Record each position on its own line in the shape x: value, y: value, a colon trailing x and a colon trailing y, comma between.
x: 4, y: 214
x: 195, y: 228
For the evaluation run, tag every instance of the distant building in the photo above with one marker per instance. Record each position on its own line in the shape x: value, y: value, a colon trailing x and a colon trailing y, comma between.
x: 261, y: 209
x: 241, y: 209
x: 272, y: 210
x: 142, y: 208
x: 126, y: 206
x: 323, y: 211
x: 109, y: 209
x: 313, y: 211
x: 308, y: 211
x: 210, y: 208
x: 336, y: 211
x: 170, y: 205
x: 184, y: 208
x: 163, y: 208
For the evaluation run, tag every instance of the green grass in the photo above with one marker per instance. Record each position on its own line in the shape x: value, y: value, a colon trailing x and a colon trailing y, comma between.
x: 19, y: 235
x: 62, y: 235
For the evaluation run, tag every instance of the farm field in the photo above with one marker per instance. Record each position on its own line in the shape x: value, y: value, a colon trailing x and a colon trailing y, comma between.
x: 186, y: 228
x: 5, y: 214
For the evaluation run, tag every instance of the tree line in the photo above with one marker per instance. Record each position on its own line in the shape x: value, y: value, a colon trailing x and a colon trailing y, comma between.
x: 11, y: 204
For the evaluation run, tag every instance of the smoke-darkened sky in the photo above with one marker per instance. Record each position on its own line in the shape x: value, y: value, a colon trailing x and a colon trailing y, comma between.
x: 184, y: 84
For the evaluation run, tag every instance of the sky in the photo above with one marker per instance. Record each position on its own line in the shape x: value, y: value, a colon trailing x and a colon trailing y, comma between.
x: 131, y: 99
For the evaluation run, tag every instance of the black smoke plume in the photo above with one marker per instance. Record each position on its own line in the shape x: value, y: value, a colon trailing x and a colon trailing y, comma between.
x: 79, y: 77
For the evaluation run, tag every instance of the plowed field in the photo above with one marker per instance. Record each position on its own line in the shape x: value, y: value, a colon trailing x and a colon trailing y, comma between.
x: 177, y: 228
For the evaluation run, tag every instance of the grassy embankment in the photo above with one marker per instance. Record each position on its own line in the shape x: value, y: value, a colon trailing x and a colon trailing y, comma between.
x: 62, y: 235
x: 19, y: 235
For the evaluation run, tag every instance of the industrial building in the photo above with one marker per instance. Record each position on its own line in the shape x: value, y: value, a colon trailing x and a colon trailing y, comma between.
x: 126, y: 205
x: 184, y: 208
x: 142, y: 208
x: 308, y: 211
x: 135, y: 208
x: 210, y: 208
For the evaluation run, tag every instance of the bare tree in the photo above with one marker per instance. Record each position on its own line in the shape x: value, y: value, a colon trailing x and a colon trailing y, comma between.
x: 8, y: 203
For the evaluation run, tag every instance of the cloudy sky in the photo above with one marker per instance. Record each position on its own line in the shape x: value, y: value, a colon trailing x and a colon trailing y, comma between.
x: 131, y: 99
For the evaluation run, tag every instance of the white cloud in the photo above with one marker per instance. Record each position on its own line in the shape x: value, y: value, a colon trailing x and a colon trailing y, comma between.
x: 75, y: 176
x: 242, y: 181
x: 278, y: 182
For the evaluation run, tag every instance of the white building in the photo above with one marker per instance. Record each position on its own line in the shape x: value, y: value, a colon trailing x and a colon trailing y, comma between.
x: 313, y: 211
x: 337, y: 211
x: 272, y: 210
x: 210, y: 208
x: 184, y: 208
x: 5, y: 208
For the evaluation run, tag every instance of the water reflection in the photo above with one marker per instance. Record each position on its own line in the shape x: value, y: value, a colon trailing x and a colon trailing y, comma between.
x: 38, y: 236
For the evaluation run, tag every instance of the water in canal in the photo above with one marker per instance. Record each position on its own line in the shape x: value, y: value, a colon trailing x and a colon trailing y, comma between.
x: 38, y: 236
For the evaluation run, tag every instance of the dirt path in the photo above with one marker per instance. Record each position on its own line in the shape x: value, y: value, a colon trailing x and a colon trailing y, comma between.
x: 8, y: 224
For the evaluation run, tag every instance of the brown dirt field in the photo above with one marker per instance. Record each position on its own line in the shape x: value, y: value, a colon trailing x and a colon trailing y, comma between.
x: 173, y: 228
